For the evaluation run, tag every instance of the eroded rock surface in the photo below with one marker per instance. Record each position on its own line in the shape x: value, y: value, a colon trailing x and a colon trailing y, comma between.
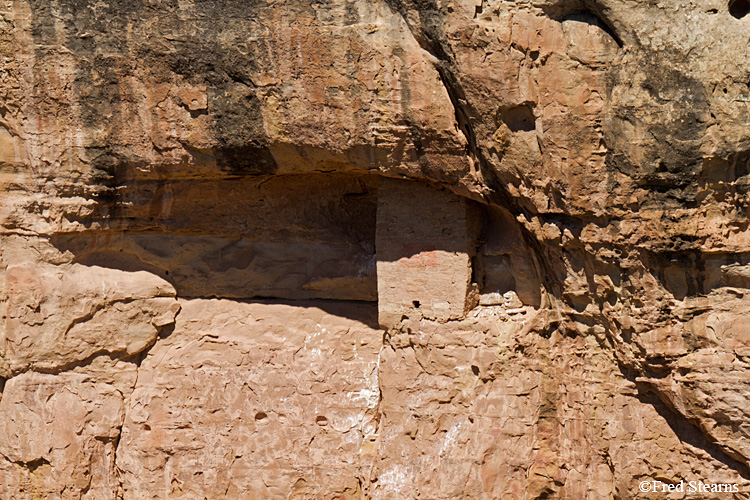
x: 284, y: 397
x: 379, y: 249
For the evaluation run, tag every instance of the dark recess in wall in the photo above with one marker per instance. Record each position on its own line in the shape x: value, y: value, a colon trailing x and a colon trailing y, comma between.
x: 739, y: 8
x: 519, y: 118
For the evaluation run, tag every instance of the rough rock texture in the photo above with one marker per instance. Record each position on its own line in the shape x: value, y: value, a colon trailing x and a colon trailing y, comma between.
x: 444, y: 249
x: 284, y: 397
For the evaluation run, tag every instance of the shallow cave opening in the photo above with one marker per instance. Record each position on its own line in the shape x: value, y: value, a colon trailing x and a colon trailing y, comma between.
x: 503, y: 267
x: 289, y: 237
x: 402, y: 244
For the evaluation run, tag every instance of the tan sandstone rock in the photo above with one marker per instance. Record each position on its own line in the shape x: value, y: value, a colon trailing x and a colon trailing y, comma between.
x: 455, y: 249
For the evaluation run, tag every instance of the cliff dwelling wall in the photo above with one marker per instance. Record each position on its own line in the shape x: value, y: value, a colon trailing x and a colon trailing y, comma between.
x: 401, y: 243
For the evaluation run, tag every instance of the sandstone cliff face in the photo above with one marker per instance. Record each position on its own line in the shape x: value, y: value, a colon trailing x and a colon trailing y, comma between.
x: 382, y: 249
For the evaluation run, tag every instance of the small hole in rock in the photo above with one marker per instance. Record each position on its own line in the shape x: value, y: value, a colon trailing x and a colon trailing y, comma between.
x: 739, y: 8
x: 260, y: 415
x: 321, y: 420
x: 519, y: 118
x: 147, y: 427
x: 416, y: 303
x: 475, y: 370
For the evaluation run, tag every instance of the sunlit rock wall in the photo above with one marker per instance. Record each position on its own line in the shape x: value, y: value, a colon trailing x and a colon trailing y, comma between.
x: 373, y: 249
